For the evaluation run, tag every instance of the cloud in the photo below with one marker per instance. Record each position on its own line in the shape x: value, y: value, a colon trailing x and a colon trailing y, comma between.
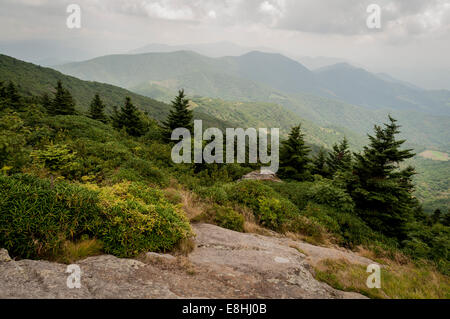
x: 165, y: 10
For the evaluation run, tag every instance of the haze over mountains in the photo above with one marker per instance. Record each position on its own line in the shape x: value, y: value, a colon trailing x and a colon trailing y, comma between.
x: 339, y: 95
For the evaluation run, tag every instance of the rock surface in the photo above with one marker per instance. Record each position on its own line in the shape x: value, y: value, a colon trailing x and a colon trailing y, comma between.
x: 262, y: 176
x: 225, y: 264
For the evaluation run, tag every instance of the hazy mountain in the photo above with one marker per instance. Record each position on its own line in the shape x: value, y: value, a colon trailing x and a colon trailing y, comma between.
x: 313, y: 63
x: 36, y: 80
x: 44, y: 52
x: 215, y: 50
x: 360, y: 87
x: 340, y: 95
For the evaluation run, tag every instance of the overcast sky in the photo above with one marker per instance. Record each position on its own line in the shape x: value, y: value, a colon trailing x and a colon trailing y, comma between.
x: 415, y: 34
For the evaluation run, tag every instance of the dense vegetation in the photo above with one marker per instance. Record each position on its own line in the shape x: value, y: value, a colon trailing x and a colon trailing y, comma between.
x: 69, y: 178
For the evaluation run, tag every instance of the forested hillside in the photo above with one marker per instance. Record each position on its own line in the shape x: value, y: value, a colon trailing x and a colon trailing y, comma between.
x: 325, y: 97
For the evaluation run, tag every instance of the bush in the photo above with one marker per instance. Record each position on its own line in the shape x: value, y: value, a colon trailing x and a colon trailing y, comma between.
x: 249, y: 193
x: 296, y: 192
x: 349, y: 229
x: 37, y: 219
x: 274, y: 213
x: 229, y: 219
x: 222, y: 216
x: 139, y: 219
x: 322, y: 191
x: 147, y: 172
x: 270, y: 209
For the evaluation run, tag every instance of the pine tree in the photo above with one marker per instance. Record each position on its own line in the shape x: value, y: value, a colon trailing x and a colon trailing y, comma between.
x: 97, y: 109
x: 382, y: 191
x: 294, y: 161
x: 12, y: 96
x: 46, y: 102
x: 63, y: 103
x: 129, y: 118
x: 437, y: 216
x: 180, y: 116
x: 340, y: 159
x: 319, y: 164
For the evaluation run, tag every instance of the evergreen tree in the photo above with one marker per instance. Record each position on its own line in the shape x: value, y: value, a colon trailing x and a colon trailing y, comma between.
x: 63, y: 103
x: 12, y: 96
x: 319, y: 164
x: 294, y: 161
x: 446, y: 219
x: 340, y: 159
x: 381, y: 190
x: 97, y: 109
x: 129, y: 118
x: 180, y: 116
x: 436, y: 217
x: 46, y: 102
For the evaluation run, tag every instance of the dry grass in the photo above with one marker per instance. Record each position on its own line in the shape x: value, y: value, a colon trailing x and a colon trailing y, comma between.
x: 72, y: 252
x: 398, y: 281
x: 192, y: 205
x: 185, y: 247
x: 185, y: 263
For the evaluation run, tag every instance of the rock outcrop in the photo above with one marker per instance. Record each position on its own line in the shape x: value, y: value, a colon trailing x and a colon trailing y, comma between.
x: 262, y: 176
x: 225, y: 264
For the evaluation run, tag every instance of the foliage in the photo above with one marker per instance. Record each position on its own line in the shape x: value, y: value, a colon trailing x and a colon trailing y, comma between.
x: 129, y: 118
x: 340, y: 159
x: 179, y: 117
x: 294, y: 161
x: 62, y: 103
x: 38, y: 219
x: 97, y: 109
x: 228, y: 218
x: 382, y: 192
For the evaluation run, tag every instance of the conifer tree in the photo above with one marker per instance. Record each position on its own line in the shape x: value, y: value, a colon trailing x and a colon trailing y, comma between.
x: 97, y: 109
x: 340, y: 159
x: 294, y: 161
x: 382, y: 191
x: 12, y: 96
x: 129, y: 118
x: 46, y: 102
x: 179, y: 117
x: 319, y: 164
x: 437, y: 216
x: 63, y: 103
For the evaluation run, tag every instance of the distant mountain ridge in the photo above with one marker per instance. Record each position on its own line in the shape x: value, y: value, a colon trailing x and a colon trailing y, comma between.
x: 339, y: 95
x: 341, y: 81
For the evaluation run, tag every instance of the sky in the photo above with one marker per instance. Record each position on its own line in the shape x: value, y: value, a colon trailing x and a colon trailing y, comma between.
x: 413, y: 42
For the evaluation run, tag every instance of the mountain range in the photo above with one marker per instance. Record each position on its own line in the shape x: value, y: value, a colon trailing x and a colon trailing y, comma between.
x: 340, y: 95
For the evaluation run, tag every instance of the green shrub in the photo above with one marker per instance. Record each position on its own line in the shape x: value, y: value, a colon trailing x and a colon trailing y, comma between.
x: 37, y: 219
x: 271, y: 210
x: 250, y: 192
x: 216, y: 193
x: 296, y: 192
x: 349, y: 229
x: 139, y: 219
x: 323, y: 191
x: 228, y: 218
x: 147, y: 171
x: 274, y: 213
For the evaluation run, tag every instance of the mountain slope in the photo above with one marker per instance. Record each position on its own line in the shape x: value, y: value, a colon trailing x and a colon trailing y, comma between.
x: 36, y: 80
x: 269, y: 115
x: 360, y: 87
x: 318, y: 96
